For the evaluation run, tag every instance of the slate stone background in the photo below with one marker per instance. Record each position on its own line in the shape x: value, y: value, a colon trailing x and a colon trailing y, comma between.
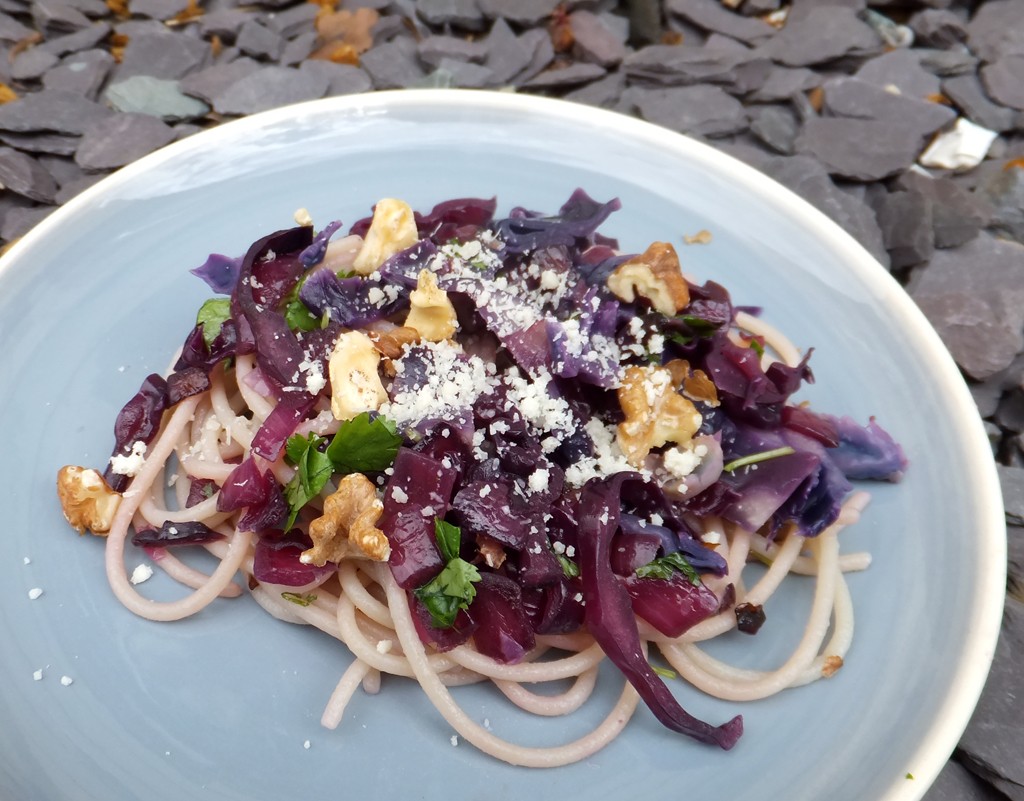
x: 837, y: 99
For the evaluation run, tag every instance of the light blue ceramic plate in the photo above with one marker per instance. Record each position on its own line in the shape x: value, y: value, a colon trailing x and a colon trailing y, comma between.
x: 220, y: 706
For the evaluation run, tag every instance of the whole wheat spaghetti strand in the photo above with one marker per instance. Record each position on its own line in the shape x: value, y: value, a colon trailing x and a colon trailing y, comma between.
x: 476, y: 734
x: 551, y: 705
x: 773, y: 337
x: 343, y: 692
x: 187, y: 575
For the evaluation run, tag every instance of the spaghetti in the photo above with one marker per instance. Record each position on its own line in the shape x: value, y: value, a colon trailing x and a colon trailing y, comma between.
x: 476, y: 449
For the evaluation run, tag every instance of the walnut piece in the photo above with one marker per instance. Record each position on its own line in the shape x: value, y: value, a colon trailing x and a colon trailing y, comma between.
x: 655, y: 412
x: 355, y: 383
x: 88, y: 501
x: 831, y: 666
x: 695, y: 383
x: 430, y: 311
x: 393, y: 230
x: 391, y: 342
x: 347, y: 528
x: 654, y: 275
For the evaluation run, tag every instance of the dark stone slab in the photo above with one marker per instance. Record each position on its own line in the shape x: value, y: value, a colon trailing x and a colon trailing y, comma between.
x: 938, y: 28
x: 22, y: 174
x: 957, y: 783
x: 77, y: 186
x: 258, y: 41
x: 860, y: 150
x: 784, y: 82
x: 776, y: 126
x: 957, y: 215
x: 1005, y: 191
x: 82, y: 73
x: 31, y: 64
x: 995, y: 29
x: 11, y: 30
x: 225, y: 23
x: 393, y: 65
x: 342, y: 79
x: 19, y: 221
x: 1004, y: 80
x: 712, y: 16
x: 851, y: 97
x: 823, y: 34
x: 458, y: 13
x: 158, y: 9
x: 213, y: 81
x: 604, y: 93
x: 50, y: 110
x: 992, y: 745
x: 155, y: 97
x: 1010, y: 411
x: 1015, y: 559
x: 519, y: 12
x: 538, y: 41
x: 594, y: 39
x: 566, y: 77
x: 63, y: 170
x: 83, y: 39
x: 464, y: 74
x: 164, y: 55
x: 682, y: 65
x: 507, y: 54
x: 970, y: 97
x: 298, y: 49
x: 702, y: 110
x: 947, y: 63
x: 900, y: 68
x: 269, y: 87
x: 54, y: 144
x: 121, y: 139
x: 974, y: 296
x: 906, y: 221
x: 435, y: 49
x: 293, y: 21
x: 56, y: 16
x: 91, y: 8
x: 132, y: 28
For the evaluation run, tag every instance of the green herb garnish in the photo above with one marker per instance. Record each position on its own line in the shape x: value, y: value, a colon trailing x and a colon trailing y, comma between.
x: 664, y: 566
x: 363, y: 445
x: 453, y: 588
x: 754, y: 458
x: 314, y: 469
x: 212, y: 315
x: 301, y: 600
x: 665, y: 673
x: 296, y: 314
x: 569, y: 567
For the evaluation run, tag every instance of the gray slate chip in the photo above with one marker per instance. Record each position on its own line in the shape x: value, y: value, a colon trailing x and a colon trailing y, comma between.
x: 957, y: 783
x: 1010, y: 412
x: 970, y: 97
x: 1004, y: 81
x: 1006, y: 194
x: 539, y: 43
x: 55, y: 16
x: 712, y: 16
x: 23, y: 175
x: 158, y: 9
x: 784, y: 82
x: 224, y: 22
x: 702, y: 110
x: 851, y: 97
x: 458, y: 13
x: 121, y: 139
x: 155, y: 97
x: 946, y: 63
x: 342, y: 79
x: 54, y: 144
x: 293, y: 21
x: 905, y: 219
x: 63, y: 170
x: 594, y: 39
x: 675, y: 65
x: 270, y: 87
x: 31, y: 64
x: 213, y: 81
x: 465, y: 75
x: 992, y: 744
x: 163, y: 55
x: 78, y: 185
x: 50, y: 110
x: 937, y: 28
x: 604, y: 93
x: 900, y: 68
x: 11, y: 30
x: 974, y: 297
x: 79, y: 40
x: 564, y: 77
x: 957, y: 215
x: 823, y: 34
x: 507, y: 54
x: 776, y: 126
x: 19, y: 221
x: 434, y: 49
x: 83, y: 73
x: 519, y: 12
x: 298, y: 49
x: 258, y: 41
x: 860, y: 150
x: 996, y: 30
x: 393, y: 65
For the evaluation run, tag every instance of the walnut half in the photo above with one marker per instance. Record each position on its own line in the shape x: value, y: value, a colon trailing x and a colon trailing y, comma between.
x: 655, y: 412
x: 654, y: 275
x: 87, y: 500
x: 347, y: 528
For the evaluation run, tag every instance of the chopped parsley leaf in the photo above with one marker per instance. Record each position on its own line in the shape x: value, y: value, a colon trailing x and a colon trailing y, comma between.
x: 453, y: 588
x: 754, y: 458
x: 664, y: 566
x: 363, y: 445
x: 314, y: 469
x: 212, y: 315
x: 569, y: 567
x: 301, y: 600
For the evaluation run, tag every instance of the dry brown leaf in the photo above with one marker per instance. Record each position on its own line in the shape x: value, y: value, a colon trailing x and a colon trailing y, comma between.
x: 7, y: 94
x: 119, y: 8
x: 351, y: 28
x: 190, y: 13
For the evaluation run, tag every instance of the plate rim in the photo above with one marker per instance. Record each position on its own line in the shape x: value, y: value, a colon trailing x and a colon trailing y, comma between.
x: 952, y: 717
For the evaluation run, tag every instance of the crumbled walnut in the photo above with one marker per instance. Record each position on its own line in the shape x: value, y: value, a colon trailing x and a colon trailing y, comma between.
x: 491, y: 550
x: 391, y: 343
x: 695, y: 384
x: 654, y: 275
x: 355, y: 384
x: 831, y: 666
x: 347, y: 528
x: 655, y: 412
x: 88, y: 501
x: 430, y: 311
x: 393, y: 230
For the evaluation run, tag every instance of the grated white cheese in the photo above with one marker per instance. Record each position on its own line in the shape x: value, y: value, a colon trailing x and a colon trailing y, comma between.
x: 67, y: 681
x: 34, y: 593
x: 399, y: 495
x: 538, y: 480
x: 129, y: 464
x: 38, y: 674
x: 141, y: 573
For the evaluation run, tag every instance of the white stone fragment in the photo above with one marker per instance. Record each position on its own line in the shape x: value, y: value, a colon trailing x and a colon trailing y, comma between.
x: 962, y: 148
